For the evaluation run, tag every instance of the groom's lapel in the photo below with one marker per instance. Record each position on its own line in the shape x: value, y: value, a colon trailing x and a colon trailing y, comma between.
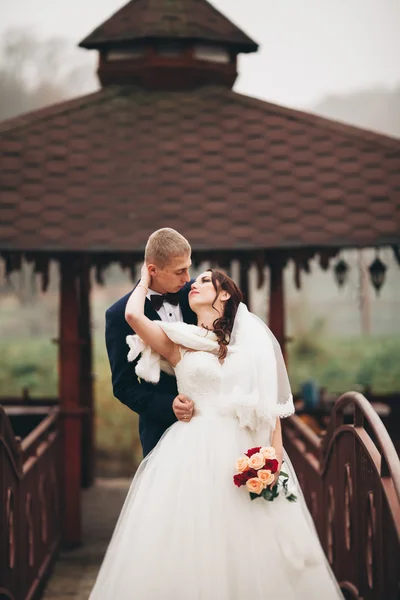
x: 149, y: 311
x: 188, y: 315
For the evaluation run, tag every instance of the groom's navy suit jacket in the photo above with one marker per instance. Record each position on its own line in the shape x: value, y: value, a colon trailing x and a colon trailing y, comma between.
x: 153, y: 403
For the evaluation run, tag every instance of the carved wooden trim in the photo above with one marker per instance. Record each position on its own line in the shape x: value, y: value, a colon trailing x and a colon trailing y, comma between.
x: 43, y: 508
x: 348, y: 501
x: 371, y: 530
x: 30, y: 529
x: 331, y: 525
x: 10, y: 517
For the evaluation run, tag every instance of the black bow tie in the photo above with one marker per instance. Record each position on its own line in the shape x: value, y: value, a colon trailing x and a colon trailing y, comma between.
x: 158, y: 300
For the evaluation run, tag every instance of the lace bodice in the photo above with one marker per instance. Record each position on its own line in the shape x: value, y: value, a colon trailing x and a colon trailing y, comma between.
x: 252, y: 383
x: 198, y: 376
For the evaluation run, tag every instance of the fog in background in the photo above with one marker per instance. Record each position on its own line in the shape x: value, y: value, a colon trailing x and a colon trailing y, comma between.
x: 339, y: 58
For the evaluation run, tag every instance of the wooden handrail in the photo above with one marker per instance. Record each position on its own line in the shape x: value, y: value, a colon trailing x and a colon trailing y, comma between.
x: 40, y: 429
x: 390, y: 465
x: 28, y: 401
x: 310, y: 436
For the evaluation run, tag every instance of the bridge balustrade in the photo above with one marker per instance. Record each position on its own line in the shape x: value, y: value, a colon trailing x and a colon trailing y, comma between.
x: 30, y: 522
x: 351, y: 482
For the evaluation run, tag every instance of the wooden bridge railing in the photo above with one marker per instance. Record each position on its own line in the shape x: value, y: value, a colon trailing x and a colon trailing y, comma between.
x: 351, y: 482
x: 29, y: 498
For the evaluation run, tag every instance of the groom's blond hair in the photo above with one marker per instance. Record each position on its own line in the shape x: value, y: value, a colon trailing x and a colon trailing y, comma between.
x: 165, y: 244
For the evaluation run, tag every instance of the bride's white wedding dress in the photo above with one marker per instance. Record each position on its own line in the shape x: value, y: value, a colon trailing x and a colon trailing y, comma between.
x: 187, y: 533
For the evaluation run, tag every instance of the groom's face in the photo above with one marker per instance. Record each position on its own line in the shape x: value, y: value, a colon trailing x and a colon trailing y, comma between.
x: 172, y: 277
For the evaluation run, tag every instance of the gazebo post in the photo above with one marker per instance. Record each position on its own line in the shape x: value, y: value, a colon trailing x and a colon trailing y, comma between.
x: 69, y: 393
x: 86, y: 375
x: 244, y: 280
x: 277, y: 301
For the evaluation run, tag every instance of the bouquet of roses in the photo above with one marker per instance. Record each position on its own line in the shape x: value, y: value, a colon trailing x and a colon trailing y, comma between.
x: 257, y: 471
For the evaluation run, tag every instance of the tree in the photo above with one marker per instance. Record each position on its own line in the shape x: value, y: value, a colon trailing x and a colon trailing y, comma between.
x: 35, y: 73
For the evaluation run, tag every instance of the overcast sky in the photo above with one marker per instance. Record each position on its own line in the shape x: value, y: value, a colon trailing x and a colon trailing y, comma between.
x: 309, y: 48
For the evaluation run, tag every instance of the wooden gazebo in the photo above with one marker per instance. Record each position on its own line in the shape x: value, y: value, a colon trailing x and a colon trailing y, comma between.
x: 166, y: 142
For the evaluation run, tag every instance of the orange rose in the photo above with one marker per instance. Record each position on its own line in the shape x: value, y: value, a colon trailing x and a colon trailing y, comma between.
x: 266, y: 477
x: 242, y: 464
x: 256, y: 461
x: 255, y: 485
x: 268, y: 452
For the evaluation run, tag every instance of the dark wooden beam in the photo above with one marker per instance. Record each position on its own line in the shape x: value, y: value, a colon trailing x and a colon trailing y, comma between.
x: 69, y: 392
x: 244, y: 266
x: 86, y: 374
x: 277, y: 301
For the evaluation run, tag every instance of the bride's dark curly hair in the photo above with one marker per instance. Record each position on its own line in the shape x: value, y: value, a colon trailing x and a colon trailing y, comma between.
x: 223, y: 325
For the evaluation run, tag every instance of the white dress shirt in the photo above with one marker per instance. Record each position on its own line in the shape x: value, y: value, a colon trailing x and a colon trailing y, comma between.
x: 168, y: 312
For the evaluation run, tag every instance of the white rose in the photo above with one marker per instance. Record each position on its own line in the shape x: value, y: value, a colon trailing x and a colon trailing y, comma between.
x: 255, y: 485
x: 268, y: 452
x: 266, y: 477
x: 256, y: 461
x: 242, y: 464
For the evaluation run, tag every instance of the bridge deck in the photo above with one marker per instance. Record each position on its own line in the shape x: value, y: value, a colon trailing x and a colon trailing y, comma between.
x: 75, y: 571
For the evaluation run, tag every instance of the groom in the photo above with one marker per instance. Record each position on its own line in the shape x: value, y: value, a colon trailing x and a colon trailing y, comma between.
x: 167, y: 255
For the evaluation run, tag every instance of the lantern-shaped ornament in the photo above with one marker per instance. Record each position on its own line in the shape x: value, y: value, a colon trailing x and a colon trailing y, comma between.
x: 377, y: 271
x: 341, y: 268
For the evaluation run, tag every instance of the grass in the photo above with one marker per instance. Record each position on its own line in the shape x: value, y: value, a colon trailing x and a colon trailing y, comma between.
x: 343, y: 364
x: 32, y: 364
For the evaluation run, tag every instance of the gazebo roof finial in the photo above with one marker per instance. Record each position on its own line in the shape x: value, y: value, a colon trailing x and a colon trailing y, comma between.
x: 169, y: 20
x: 168, y: 44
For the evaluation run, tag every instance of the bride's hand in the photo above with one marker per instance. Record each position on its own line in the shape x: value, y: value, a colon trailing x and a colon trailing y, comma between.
x: 145, y: 276
x: 276, y: 475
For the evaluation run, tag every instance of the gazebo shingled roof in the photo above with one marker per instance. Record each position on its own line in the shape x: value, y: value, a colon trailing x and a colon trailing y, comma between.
x: 166, y: 19
x: 100, y: 172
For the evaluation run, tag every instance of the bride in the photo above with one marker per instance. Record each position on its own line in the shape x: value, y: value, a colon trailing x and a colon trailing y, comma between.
x: 186, y: 532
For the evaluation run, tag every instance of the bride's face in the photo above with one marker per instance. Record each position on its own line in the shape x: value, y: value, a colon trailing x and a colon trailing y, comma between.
x: 203, y: 293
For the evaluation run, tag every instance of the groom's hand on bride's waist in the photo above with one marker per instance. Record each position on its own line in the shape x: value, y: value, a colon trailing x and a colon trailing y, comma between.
x: 183, y: 408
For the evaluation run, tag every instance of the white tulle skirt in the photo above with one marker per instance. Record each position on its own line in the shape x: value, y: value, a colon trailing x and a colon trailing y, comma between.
x: 187, y: 533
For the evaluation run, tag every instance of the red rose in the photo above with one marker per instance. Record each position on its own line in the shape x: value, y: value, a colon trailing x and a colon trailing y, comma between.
x: 250, y: 473
x: 241, y: 478
x: 272, y: 464
x: 253, y: 451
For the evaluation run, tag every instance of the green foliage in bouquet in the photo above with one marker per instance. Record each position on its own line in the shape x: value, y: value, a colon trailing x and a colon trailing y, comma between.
x: 271, y: 493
